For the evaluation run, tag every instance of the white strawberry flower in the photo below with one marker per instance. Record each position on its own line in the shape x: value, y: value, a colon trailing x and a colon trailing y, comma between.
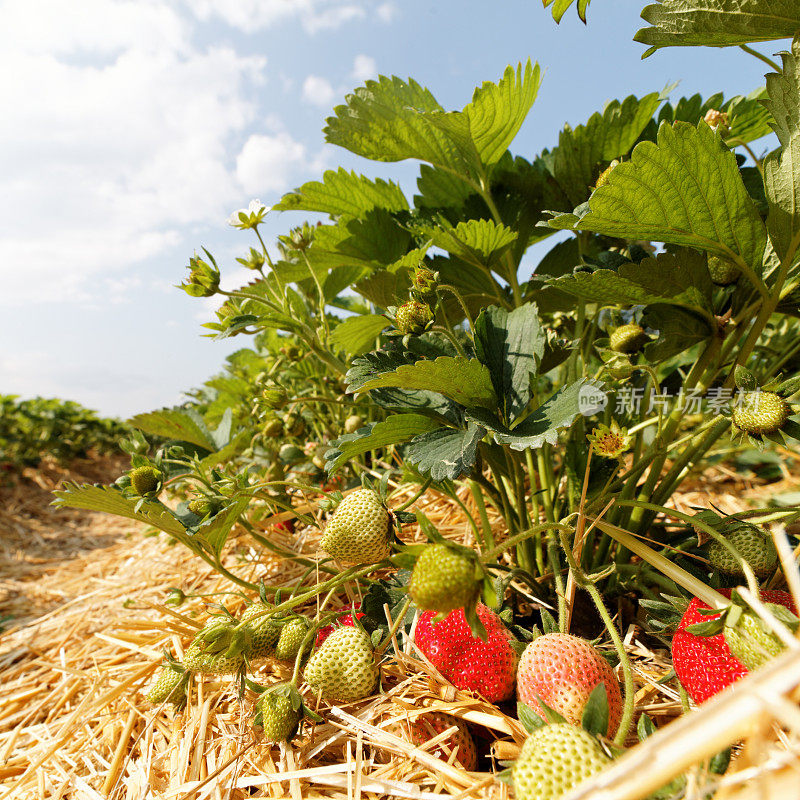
x: 249, y: 217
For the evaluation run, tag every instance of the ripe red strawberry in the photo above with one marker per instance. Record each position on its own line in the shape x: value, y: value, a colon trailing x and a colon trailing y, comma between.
x: 467, y: 662
x: 287, y: 526
x: 562, y: 670
x: 425, y: 727
x: 345, y: 619
x: 705, y: 664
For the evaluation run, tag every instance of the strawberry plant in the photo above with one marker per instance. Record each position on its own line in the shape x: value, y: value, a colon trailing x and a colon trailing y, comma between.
x: 412, y: 343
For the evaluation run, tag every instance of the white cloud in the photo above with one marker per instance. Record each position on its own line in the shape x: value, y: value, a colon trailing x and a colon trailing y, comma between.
x: 387, y: 12
x: 364, y: 68
x: 318, y: 91
x: 101, y: 163
x: 330, y: 18
x: 269, y: 162
x: 252, y: 15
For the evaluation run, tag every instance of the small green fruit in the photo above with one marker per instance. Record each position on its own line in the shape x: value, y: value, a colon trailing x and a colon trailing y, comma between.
x: 146, y: 480
x: 358, y: 531
x: 169, y: 686
x: 273, y: 428
x: 757, y: 413
x: 751, y: 642
x: 295, y: 425
x: 264, y: 632
x: 353, y: 423
x: 629, y: 338
x: 754, y: 545
x: 202, y: 507
x: 198, y: 659
x: 275, y: 712
x: 554, y: 760
x: 723, y: 271
x: 290, y: 639
x: 443, y: 580
x: 413, y: 317
x: 344, y: 668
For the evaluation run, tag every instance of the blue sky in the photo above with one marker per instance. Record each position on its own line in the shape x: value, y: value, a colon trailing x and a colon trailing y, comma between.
x: 133, y: 128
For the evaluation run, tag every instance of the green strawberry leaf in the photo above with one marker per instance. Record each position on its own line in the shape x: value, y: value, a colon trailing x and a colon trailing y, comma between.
x: 111, y: 501
x: 710, y: 627
x: 678, y: 328
x: 676, y: 278
x: 685, y: 189
x: 549, y: 622
x: 464, y: 380
x: 389, y: 119
x: 552, y: 716
x: 575, y: 163
x: 478, y: 241
x: 645, y: 727
x: 215, y: 531
x: 394, y: 430
x: 474, y: 621
x: 511, y: 344
x: 783, y: 95
x: 357, y: 334
x: 445, y: 453
x: 717, y: 23
x: 528, y: 717
x: 542, y: 425
x: 497, y: 110
x: 560, y: 8
x: 344, y: 193
x: 182, y: 425
x: 595, y: 713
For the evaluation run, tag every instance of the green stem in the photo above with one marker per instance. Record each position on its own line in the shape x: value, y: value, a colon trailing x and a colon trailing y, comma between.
x: 760, y: 56
x: 477, y: 495
x: 415, y: 497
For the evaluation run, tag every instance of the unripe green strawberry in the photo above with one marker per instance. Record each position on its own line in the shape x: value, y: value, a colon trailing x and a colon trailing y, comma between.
x: 554, y: 760
x: 413, y: 317
x: 628, y: 338
x: 751, y: 641
x: 275, y: 712
x: 425, y: 727
x: 443, y: 580
x: 202, y: 507
x: 562, y: 671
x: 199, y: 659
x: 294, y: 424
x: 759, y: 412
x: 353, y: 423
x: 723, y: 271
x: 264, y: 632
x: 273, y: 428
x: 170, y: 685
x: 344, y: 668
x: 290, y: 639
x: 754, y: 545
x: 358, y: 531
x: 146, y: 480
x: 273, y: 397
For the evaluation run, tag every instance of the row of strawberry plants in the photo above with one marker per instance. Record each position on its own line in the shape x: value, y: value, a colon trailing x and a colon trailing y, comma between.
x: 31, y: 430
x: 410, y: 342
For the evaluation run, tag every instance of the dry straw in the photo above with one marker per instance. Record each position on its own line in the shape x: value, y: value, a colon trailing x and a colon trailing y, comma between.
x: 89, y: 626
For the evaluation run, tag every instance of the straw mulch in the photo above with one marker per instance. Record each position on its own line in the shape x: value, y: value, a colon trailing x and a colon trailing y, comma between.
x: 88, y: 635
